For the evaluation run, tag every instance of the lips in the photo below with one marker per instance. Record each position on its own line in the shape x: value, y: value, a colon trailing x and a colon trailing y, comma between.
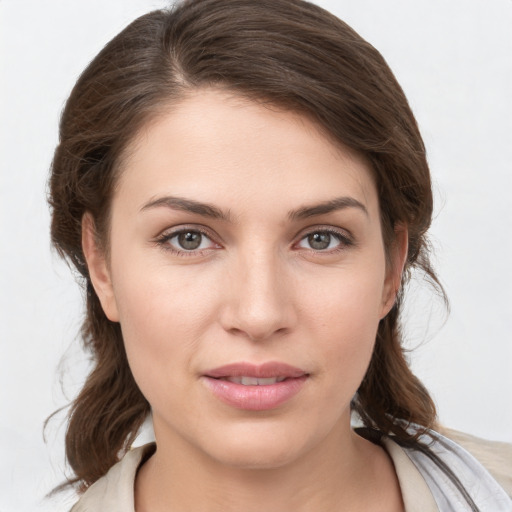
x: 254, y: 381
x: 255, y: 387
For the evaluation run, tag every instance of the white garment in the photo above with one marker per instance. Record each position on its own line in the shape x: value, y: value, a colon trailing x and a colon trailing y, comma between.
x: 487, y: 494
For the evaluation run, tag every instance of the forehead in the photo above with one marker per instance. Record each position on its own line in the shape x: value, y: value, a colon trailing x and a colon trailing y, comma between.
x: 220, y: 147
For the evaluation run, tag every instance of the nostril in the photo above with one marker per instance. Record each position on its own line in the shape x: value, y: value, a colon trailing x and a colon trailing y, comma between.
x: 258, y: 334
x: 255, y: 309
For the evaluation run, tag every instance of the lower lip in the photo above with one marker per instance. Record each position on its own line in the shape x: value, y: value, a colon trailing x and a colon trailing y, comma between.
x: 255, y: 398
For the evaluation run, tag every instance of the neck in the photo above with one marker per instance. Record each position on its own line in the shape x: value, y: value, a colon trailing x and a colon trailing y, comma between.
x: 345, y: 473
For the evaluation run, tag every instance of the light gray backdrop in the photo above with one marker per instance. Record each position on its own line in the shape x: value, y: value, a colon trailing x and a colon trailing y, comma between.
x: 454, y: 60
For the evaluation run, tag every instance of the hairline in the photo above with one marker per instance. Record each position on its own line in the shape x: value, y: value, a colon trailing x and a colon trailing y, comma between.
x: 184, y: 91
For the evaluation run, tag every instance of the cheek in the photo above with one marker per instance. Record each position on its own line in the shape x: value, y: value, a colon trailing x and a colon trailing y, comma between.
x: 156, y: 300
x: 350, y: 300
x: 163, y: 314
x: 343, y: 316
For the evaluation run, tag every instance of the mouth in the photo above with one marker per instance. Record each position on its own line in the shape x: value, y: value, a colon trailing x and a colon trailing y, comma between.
x: 261, y: 372
x: 254, y: 381
x: 255, y: 387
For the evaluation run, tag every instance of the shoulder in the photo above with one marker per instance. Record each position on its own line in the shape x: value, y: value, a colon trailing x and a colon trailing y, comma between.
x: 495, y: 456
x: 114, y: 491
x: 461, y: 471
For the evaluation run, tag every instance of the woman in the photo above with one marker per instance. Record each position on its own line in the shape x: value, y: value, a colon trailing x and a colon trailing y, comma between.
x: 244, y: 189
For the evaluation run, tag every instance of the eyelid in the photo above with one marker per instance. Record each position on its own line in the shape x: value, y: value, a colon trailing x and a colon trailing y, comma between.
x: 167, y: 234
x: 345, y: 237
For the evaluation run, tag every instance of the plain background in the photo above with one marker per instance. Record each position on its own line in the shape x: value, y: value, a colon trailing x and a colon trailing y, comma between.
x: 454, y: 61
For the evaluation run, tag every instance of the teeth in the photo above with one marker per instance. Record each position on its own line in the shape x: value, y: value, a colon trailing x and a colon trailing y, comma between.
x: 254, y: 381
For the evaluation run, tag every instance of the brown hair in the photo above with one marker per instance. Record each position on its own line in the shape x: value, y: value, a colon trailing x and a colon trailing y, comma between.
x: 288, y: 53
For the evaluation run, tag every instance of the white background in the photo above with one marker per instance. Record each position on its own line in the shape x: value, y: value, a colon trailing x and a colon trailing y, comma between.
x: 454, y: 60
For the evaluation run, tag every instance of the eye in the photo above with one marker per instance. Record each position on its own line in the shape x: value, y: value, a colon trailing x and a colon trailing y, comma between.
x: 187, y: 241
x: 323, y: 240
x: 190, y: 240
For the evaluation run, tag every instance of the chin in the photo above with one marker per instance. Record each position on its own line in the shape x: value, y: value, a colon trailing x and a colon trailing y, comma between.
x: 258, y: 448
x: 251, y: 457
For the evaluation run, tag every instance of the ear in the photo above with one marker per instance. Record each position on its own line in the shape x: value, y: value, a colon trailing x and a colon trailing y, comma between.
x: 98, y: 268
x: 395, y: 267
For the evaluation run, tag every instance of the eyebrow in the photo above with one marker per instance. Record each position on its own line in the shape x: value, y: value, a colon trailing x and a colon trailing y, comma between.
x: 209, y: 210
x: 339, y: 203
x: 187, y: 205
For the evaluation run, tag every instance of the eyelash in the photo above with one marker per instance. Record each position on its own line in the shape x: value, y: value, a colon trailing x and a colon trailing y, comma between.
x: 162, y: 241
x: 345, y: 241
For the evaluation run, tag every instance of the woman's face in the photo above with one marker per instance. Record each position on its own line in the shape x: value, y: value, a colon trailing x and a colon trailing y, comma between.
x: 247, y: 271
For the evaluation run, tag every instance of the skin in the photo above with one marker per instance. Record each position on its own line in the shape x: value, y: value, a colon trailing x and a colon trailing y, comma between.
x: 255, y: 290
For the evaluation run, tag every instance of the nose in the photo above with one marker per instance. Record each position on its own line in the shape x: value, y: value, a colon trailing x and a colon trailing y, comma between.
x: 259, y: 303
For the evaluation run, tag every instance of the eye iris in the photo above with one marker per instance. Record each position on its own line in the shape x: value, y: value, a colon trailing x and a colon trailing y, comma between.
x: 319, y: 241
x: 190, y: 240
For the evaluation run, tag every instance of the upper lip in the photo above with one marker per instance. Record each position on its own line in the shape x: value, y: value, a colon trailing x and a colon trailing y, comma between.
x: 262, y: 371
